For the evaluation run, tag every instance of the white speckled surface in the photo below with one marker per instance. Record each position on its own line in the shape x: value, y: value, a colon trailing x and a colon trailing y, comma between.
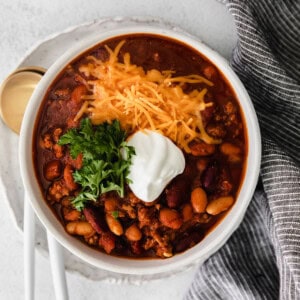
x: 24, y: 24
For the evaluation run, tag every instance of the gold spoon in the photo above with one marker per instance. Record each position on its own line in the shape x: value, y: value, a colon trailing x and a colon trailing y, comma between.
x: 15, y: 93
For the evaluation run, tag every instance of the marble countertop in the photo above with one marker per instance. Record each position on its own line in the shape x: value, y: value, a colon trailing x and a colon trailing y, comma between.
x: 25, y: 23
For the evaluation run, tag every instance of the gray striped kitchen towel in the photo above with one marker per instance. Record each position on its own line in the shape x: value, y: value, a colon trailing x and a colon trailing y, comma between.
x: 262, y: 258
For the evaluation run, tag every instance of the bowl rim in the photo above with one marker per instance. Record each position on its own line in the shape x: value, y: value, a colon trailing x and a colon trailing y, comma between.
x: 217, y: 237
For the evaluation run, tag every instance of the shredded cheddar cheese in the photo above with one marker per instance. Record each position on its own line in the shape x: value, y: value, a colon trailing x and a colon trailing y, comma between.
x: 144, y: 100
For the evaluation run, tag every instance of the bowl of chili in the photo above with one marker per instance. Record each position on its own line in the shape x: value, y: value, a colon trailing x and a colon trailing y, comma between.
x: 140, y: 150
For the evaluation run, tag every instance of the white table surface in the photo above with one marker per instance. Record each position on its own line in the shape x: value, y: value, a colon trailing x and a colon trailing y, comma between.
x: 23, y: 24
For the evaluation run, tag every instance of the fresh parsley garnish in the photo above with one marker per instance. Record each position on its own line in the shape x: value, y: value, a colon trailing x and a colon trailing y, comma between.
x: 106, y: 159
x: 115, y: 214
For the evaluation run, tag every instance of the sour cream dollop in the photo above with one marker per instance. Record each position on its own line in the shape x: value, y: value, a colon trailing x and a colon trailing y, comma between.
x: 156, y: 162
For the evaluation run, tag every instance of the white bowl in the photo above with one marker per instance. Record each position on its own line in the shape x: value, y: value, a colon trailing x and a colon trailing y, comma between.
x: 215, y: 239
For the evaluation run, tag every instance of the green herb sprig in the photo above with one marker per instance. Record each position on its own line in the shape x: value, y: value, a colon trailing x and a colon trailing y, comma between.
x: 106, y: 159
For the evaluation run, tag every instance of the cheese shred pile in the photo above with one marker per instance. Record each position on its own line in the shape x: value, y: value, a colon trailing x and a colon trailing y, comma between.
x: 144, y: 100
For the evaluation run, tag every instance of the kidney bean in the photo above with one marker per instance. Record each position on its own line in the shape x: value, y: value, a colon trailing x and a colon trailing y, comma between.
x: 96, y: 218
x: 219, y: 205
x: 188, y: 241
x: 209, y: 177
x: 178, y: 191
x: 170, y: 218
x: 190, y: 169
x: 52, y: 170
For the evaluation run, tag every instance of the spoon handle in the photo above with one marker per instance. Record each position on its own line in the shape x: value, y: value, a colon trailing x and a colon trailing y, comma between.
x: 58, y: 268
x: 29, y: 242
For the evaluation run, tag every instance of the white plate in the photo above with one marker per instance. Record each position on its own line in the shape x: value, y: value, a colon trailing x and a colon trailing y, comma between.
x: 44, y: 54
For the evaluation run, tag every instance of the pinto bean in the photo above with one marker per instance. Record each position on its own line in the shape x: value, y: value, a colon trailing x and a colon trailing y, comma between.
x: 178, y: 191
x: 80, y: 228
x: 219, y: 205
x: 170, y: 218
x: 232, y: 151
x: 114, y: 225
x: 52, y: 170
x: 133, y: 233
x: 202, y: 149
x: 68, y: 177
x: 229, y: 149
x: 201, y: 165
x: 187, y: 212
x: 199, y: 200
x: 110, y: 204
